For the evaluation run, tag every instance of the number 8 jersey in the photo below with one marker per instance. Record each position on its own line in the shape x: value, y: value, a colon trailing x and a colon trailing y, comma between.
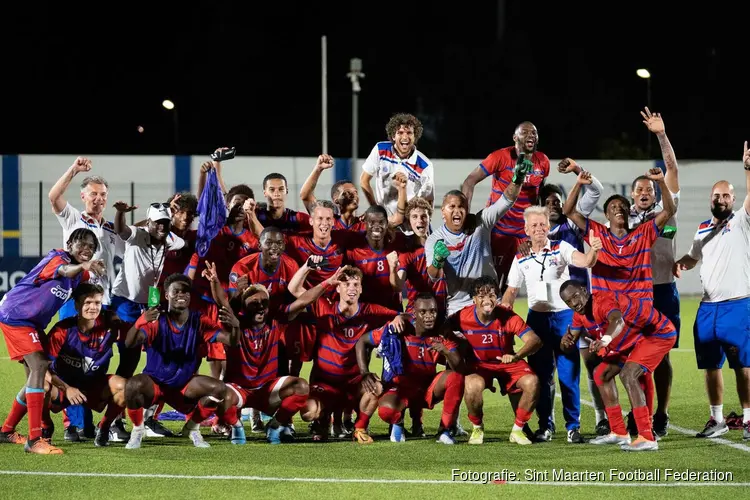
x: 491, y: 340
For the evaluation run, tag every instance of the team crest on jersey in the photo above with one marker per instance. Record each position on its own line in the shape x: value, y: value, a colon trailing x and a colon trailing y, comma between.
x: 233, y: 277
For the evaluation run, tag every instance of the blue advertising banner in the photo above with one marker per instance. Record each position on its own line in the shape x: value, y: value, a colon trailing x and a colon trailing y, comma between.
x: 13, y: 269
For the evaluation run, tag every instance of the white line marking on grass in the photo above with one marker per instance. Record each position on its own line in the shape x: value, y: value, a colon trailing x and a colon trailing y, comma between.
x: 676, y: 484
x: 687, y: 432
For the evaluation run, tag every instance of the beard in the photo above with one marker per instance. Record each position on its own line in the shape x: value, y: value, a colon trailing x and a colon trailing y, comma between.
x: 721, y: 213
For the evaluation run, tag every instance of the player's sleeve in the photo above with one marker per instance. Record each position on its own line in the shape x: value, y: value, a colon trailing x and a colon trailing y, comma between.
x: 55, y: 340
x: 209, y: 329
x: 138, y: 236
x: 49, y: 272
x: 381, y: 315
x: 449, y: 344
x: 515, y: 276
x: 604, y: 305
x: 193, y: 263
x: 494, y: 212
x: 303, y: 220
x: 517, y: 326
x: 428, y: 182
x: 174, y: 242
x: 696, y: 249
x: 489, y: 164
x: 149, y: 329
x: 599, y: 229
x: 577, y: 323
x: 566, y: 252
x: 371, y: 163
x: 404, y: 261
x: 590, y: 197
x: 68, y: 218
x: 239, y: 269
x: 545, y: 166
x: 649, y: 231
x: 376, y: 335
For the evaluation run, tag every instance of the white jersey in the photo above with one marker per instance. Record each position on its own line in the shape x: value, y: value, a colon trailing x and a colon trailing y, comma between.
x: 142, y: 264
x: 470, y: 254
x: 543, y: 274
x: 663, y: 253
x: 110, y: 245
x: 383, y: 163
x: 723, y: 250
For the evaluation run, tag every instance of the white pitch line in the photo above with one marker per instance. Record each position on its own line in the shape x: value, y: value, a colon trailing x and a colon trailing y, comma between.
x: 676, y: 484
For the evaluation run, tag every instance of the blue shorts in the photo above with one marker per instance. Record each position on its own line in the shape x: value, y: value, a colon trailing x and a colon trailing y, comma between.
x: 128, y: 312
x: 721, y: 331
x: 667, y: 302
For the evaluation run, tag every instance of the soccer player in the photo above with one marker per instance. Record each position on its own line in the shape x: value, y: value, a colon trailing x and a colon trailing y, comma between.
x: 487, y: 332
x: 419, y: 385
x: 624, y: 263
x: 81, y: 348
x: 722, y: 321
x: 398, y: 154
x: 252, y: 377
x: 275, y: 213
x: 335, y: 376
x: 666, y: 296
x: 631, y: 337
x: 370, y: 253
x: 543, y: 271
x: 184, y: 208
x: 460, y: 251
x: 94, y: 191
x: 25, y: 312
x: 344, y: 196
x: 508, y: 230
x: 174, y: 342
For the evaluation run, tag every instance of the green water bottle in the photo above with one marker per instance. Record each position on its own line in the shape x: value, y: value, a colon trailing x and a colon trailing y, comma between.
x: 154, y: 297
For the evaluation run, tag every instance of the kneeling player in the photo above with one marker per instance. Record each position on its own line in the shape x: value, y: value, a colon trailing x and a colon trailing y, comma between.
x: 174, y: 344
x: 81, y: 349
x: 643, y: 337
x: 418, y: 385
x: 489, y: 329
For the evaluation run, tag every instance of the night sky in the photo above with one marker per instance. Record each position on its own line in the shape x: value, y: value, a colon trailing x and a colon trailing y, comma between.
x: 82, y: 82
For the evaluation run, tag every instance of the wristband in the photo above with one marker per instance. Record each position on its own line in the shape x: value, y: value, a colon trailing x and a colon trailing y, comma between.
x: 606, y: 339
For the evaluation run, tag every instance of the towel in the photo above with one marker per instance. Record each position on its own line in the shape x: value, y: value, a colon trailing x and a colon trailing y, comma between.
x: 390, y: 350
x: 213, y: 213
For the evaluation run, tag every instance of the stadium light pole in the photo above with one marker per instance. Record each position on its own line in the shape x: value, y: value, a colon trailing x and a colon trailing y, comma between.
x: 354, y: 75
x: 170, y: 106
x: 646, y: 75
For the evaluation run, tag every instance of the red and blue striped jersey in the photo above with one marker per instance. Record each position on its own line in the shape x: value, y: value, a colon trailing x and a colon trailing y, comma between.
x: 226, y: 249
x: 358, y: 226
x: 418, y: 281
x: 500, y: 164
x: 376, y: 284
x: 336, y: 359
x: 639, y: 314
x: 255, y: 360
x: 419, y: 361
x: 491, y: 340
x: 623, y: 264
x: 289, y: 222
x: 277, y: 282
x: 300, y: 247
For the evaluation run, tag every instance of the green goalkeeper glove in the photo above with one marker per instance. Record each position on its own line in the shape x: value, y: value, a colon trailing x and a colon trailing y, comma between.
x: 441, y: 253
x: 522, y: 169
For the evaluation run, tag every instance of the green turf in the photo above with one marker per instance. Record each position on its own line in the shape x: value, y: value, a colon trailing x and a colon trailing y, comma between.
x: 420, y: 459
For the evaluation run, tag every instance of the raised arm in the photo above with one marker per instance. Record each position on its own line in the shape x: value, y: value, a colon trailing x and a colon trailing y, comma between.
x: 399, y: 182
x: 746, y: 163
x: 614, y: 328
x: 569, y: 209
x: 669, y: 207
x: 494, y: 212
x: 655, y: 124
x: 588, y: 259
x: 307, y: 192
x: 121, y: 227
x: 475, y: 177
x: 55, y: 195
x: 205, y: 167
x: 313, y: 294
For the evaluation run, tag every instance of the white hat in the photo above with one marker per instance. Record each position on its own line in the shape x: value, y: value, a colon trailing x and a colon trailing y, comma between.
x: 159, y: 211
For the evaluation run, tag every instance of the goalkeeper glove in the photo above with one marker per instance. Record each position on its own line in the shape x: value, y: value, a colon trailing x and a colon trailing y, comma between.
x: 441, y: 253
x: 522, y: 169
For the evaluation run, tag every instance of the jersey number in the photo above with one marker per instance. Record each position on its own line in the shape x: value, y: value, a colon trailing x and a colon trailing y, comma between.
x: 380, y: 265
x: 34, y: 337
x: 349, y: 333
x: 487, y: 338
x: 421, y: 353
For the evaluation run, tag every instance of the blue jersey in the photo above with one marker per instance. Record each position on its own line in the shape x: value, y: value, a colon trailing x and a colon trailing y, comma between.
x: 80, y: 359
x: 173, y: 354
x: 569, y: 232
x: 40, y: 294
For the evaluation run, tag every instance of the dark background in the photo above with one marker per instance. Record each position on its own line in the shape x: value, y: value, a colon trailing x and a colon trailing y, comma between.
x: 80, y: 80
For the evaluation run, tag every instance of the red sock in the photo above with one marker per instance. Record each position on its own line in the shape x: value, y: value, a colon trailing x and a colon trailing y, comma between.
x: 454, y: 391
x: 110, y: 414
x: 476, y: 420
x: 363, y: 420
x: 522, y: 416
x: 66, y: 420
x: 616, y: 422
x: 46, y: 418
x: 231, y: 416
x: 647, y: 384
x: 389, y: 415
x: 136, y: 416
x: 35, y: 405
x: 289, y: 407
x: 643, y: 421
x: 202, y: 412
x: 17, y: 412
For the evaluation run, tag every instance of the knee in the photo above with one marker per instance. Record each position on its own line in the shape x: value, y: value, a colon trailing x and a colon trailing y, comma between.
x: 312, y: 410
x: 117, y: 389
x: 135, y: 389
x: 473, y: 385
x: 529, y: 384
x: 630, y: 374
x: 218, y: 391
x: 600, y: 375
x: 388, y: 414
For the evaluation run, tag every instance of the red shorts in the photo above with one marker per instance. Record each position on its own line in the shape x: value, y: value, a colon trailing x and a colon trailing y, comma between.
x: 173, y: 397
x: 22, y: 340
x: 93, y: 393
x: 648, y: 352
x: 336, y: 395
x: 507, y: 375
x: 299, y: 339
x: 414, y: 392
x: 264, y: 398
x: 504, y: 249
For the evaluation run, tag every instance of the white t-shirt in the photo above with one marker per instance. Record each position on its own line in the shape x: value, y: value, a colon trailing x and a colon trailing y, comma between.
x: 110, y: 245
x: 543, y: 274
x: 142, y: 264
x: 383, y: 163
x: 725, y: 266
x: 663, y: 253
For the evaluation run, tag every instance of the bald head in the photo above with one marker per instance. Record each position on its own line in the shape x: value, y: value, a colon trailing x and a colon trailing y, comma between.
x: 722, y: 200
x: 526, y: 137
x: 523, y: 125
x: 723, y: 186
